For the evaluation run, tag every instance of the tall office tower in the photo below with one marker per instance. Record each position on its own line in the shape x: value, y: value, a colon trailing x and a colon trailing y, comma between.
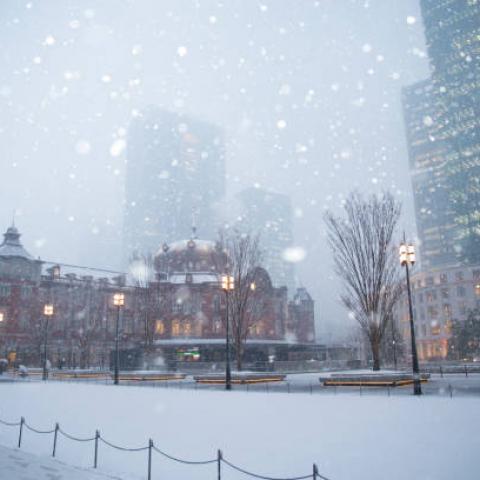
x: 270, y: 215
x: 175, y: 178
x: 442, y: 117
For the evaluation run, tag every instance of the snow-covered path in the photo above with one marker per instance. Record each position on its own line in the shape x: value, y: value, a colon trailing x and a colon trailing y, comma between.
x: 280, y: 435
x: 20, y: 465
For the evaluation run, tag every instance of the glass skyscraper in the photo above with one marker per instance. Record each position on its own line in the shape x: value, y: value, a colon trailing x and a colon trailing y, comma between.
x: 175, y: 179
x: 442, y: 116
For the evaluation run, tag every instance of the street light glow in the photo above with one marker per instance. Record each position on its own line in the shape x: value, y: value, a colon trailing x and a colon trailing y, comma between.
x: 48, y: 310
x: 119, y: 299
x: 228, y: 283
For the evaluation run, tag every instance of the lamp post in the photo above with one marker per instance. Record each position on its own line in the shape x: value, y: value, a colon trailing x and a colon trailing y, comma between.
x: 119, y: 302
x: 407, y: 257
x: 47, y: 312
x: 228, y: 284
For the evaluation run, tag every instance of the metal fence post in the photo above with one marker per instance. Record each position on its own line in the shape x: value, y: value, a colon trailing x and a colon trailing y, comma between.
x: 22, y: 421
x: 55, y: 434
x: 95, y: 458
x: 219, y: 464
x: 315, y: 472
x: 150, y: 445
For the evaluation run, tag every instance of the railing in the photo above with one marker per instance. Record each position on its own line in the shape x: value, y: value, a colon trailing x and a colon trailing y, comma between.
x: 149, y: 448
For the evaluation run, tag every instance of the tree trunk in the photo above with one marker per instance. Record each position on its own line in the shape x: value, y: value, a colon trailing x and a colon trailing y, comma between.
x: 375, y: 346
x: 239, y: 355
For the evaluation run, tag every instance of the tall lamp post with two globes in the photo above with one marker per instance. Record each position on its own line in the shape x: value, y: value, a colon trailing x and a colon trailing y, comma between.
x: 407, y: 258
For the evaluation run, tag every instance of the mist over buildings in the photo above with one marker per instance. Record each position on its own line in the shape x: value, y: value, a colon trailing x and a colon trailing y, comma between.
x: 306, y: 94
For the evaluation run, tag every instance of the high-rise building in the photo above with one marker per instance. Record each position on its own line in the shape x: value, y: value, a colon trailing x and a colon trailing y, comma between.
x: 175, y: 178
x: 270, y: 215
x: 442, y: 118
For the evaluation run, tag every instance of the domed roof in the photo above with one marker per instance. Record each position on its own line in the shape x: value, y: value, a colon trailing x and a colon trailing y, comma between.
x: 11, y: 246
x: 187, y: 256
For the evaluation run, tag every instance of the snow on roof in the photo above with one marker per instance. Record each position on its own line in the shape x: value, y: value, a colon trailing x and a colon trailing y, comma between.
x: 11, y: 245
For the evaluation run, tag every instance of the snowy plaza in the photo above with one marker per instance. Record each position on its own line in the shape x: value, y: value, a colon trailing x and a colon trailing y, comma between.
x: 278, y: 435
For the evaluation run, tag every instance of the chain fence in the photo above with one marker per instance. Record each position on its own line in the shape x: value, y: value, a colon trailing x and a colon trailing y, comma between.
x: 150, y: 448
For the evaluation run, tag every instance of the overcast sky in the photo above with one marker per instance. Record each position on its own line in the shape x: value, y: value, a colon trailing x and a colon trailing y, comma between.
x: 308, y: 93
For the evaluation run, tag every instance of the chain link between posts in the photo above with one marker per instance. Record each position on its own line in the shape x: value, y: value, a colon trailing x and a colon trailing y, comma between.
x: 151, y: 447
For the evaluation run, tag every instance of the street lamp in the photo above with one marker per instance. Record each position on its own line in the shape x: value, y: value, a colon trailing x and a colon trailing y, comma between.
x: 47, y: 312
x: 2, y: 317
x: 228, y: 284
x: 407, y: 257
x: 119, y: 302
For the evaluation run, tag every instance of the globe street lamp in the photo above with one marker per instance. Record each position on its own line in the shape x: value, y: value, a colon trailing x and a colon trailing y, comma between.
x: 407, y: 257
x: 47, y: 312
x: 228, y: 284
x: 119, y: 302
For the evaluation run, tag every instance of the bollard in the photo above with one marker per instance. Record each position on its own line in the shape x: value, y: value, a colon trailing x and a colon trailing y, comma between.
x: 388, y: 390
x: 441, y: 371
x: 219, y: 464
x: 360, y: 389
x: 22, y: 421
x: 150, y: 445
x: 288, y: 387
x: 55, y: 435
x: 451, y: 390
x: 315, y: 472
x: 311, y: 388
x: 266, y: 385
x: 466, y: 371
x: 95, y: 458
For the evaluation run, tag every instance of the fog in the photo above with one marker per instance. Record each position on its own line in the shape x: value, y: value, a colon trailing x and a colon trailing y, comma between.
x: 307, y: 92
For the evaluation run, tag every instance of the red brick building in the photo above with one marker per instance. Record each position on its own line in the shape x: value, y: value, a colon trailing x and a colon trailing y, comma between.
x: 175, y: 311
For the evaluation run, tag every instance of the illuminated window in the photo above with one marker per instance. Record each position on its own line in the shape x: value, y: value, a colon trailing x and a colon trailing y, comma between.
x: 435, y: 329
x: 159, y: 327
x: 477, y: 289
x: 175, y: 328
x: 187, y: 330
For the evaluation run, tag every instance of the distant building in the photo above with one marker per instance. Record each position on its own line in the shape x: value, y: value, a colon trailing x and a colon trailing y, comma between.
x: 270, y: 215
x: 439, y: 298
x: 175, y: 176
x: 179, y: 311
x: 442, y: 116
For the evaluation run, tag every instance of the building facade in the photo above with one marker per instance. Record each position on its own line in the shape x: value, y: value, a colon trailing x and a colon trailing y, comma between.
x: 181, y: 310
x: 175, y: 176
x: 439, y: 298
x: 442, y: 120
x: 442, y: 117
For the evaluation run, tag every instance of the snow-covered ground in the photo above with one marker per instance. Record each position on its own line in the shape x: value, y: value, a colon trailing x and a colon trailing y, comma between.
x: 347, y: 436
x: 17, y: 464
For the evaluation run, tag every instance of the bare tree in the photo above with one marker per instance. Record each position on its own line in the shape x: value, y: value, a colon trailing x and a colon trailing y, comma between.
x: 366, y: 261
x: 245, y: 301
